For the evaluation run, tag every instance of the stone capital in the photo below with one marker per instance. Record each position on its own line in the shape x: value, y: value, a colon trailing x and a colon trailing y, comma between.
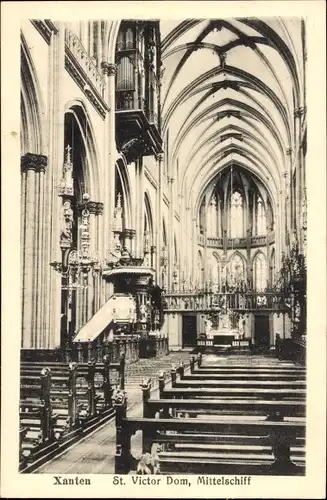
x: 299, y: 112
x: 94, y: 207
x: 109, y: 69
x: 32, y: 161
x: 160, y: 157
x: 289, y: 151
x: 129, y: 233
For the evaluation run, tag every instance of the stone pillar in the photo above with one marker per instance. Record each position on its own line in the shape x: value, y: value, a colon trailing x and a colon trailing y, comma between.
x: 194, y: 266
x: 96, y: 210
x: 110, y: 154
x: 109, y: 72
x: 249, y: 232
x: 50, y: 299
x: 139, y: 171
x: 299, y: 167
x: 159, y: 236
x: 207, y: 215
x: 33, y: 171
x: 171, y: 233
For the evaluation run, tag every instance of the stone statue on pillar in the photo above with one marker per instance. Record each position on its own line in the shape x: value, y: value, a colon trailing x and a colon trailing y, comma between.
x: 66, y: 233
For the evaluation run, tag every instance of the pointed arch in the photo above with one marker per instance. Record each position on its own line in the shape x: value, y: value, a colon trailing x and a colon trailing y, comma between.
x: 91, y: 164
x: 260, y: 275
x: 237, y: 266
x: 215, y: 277
x: 32, y: 104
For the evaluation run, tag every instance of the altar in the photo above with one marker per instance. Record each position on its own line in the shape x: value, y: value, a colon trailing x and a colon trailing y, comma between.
x: 222, y: 331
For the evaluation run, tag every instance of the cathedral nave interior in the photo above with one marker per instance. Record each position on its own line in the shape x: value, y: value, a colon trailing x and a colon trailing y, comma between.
x: 163, y: 197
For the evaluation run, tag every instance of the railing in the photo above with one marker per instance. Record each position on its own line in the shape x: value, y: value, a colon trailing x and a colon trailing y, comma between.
x: 162, y: 346
x: 269, y: 301
x: 83, y: 352
x: 214, y: 242
x: 258, y: 240
x: 236, y: 242
x: 218, y: 242
x: 77, y: 49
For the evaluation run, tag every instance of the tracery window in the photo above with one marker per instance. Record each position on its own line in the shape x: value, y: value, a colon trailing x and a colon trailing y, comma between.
x: 212, y: 226
x: 260, y: 272
x: 261, y: 224
x: 236, y: 271
x: 215, y: 273
x: 236, y: 215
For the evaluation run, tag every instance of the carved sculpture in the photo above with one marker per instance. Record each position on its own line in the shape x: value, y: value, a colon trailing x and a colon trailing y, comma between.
x: 66, y: 233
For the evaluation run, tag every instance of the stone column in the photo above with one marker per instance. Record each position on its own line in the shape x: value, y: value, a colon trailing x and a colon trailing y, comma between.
x: 139, y: 171
x: 207, y: 215
x: 50, y: 300
x: 299, y: 167
x: 110, y: 154
x: 194, y: 252
x: 159, y: 236
x: 288, y: 190
x: 280, y: 230
x: 109, y: 72
x: 96, y: 210
x: 171, y: 233
x: 33, y: 171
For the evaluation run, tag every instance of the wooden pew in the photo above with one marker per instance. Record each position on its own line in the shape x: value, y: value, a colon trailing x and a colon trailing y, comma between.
x: 280, y: 435
x: 197, y: 366
x: 271, y: 409
x: 236, y: 388
x: 37, y: 419
x: 86, y: 390
x: 70, y: 401
x: 246, y: 374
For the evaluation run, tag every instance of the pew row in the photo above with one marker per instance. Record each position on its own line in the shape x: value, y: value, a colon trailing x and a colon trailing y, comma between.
x: 59, y: 402
x: 197, y: 366
x: 276, y: 440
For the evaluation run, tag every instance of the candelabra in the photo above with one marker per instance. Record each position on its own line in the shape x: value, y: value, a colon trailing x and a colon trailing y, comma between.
x: 78, y: 262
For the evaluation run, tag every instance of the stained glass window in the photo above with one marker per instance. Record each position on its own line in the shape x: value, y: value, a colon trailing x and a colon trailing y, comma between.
x: 261, y: 218
x: 212, y: 226
x: 236, y: 270
x: 260, y: 271
x: 236, y: 215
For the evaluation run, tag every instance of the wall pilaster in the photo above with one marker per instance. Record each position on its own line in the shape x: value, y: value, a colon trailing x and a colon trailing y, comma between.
x: 33, y: 171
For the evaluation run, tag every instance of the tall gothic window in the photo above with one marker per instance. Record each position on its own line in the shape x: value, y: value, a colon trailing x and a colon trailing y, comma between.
x: 215, y: 273
x: 236, y: 271
x: 236, y: 215
x: 213, y: 217
x: 261, y: 224
x: 260, y: 272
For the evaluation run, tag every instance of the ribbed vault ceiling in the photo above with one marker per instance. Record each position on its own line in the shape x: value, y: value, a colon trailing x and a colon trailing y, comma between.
x: 229, y: 90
